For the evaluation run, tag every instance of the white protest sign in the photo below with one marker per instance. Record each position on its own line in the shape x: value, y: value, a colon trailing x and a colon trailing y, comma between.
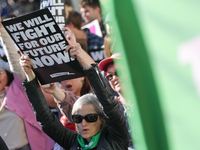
x: 93, y: 27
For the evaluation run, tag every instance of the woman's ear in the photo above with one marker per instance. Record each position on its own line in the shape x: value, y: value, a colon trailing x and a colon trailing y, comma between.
x: 98, y: 9
x: 71, y: 25
x: 82, y: 79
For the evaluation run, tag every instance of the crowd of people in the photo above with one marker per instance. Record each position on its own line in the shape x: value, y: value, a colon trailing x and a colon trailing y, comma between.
x: 18, y: 7
x: 92, y: 111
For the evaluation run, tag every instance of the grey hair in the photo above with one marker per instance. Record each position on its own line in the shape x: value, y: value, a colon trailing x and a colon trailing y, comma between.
x: 90, y: 99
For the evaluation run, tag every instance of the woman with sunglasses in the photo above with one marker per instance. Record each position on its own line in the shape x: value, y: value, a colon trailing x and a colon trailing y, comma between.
x: 99, y: 126
x: 65, y: 96
x: 112, y: 74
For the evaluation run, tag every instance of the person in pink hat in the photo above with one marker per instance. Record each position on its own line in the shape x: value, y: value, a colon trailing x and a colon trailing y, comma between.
x: 112, y: 74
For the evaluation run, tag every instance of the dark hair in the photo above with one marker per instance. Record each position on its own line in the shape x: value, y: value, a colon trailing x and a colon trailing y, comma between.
x: 86, y: 87
x: 91, y: 3
x: 10, y: 77
x: 75, y: 18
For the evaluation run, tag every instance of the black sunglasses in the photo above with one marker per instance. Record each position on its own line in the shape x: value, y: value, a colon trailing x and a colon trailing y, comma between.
x: 89, y: 118
x: 109, y: 77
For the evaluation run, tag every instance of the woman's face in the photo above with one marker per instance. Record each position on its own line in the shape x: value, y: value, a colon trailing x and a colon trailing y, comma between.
x: 86, y: 129
x: 3, y: 80
x: 73, y: 85
x: 114, y: 83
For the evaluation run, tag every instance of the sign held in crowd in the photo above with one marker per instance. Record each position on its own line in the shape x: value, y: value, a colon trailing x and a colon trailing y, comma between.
x: 38, y: 36
x: 57, y: 9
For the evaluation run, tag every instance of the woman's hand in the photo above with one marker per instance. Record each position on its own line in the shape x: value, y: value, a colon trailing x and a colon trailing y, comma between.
x: 83, y: 58
x: 51, y: 89
x: 26, y: 65
x: 76, y: 51
x: 56, y: 92
x: 69, y: 35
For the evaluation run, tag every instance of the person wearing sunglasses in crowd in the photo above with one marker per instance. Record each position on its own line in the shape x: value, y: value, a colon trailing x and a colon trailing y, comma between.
x: 112, y: 74
x: 99, y: 123
x: 65, y: 97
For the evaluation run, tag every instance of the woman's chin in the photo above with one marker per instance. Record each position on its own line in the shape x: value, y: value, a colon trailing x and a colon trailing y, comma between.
x: 118, y: 89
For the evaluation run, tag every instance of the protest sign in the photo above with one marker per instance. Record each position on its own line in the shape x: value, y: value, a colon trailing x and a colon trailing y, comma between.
x: 93, y: 27
x: 97, y: 54
x: 57, y: 9
x: 39, y: 37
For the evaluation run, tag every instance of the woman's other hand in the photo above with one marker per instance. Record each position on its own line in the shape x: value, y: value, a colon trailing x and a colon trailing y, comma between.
x: 50, y: 89
x: 69, y: 35
x: 26, y: 65
x: 83, y: 58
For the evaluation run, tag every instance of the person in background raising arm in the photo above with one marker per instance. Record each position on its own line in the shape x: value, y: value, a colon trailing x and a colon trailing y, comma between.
x: 19, y: 128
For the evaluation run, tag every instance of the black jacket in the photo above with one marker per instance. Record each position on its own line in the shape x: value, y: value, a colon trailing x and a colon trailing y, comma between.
x: 114, y: 137
x: 3, y: 145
